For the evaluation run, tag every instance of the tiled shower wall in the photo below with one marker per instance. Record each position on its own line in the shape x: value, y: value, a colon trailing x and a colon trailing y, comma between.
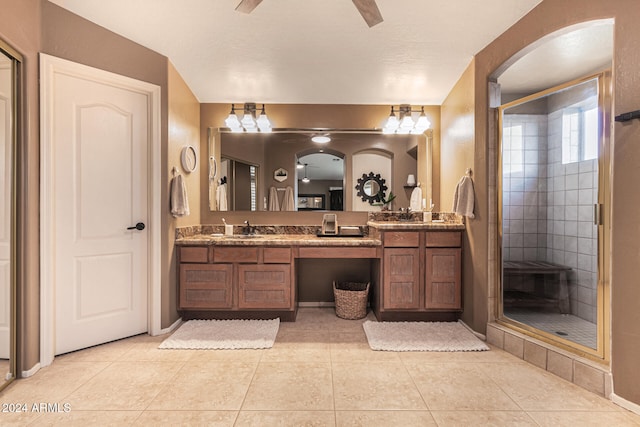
x: 572, y: 190
x: 548, y: 206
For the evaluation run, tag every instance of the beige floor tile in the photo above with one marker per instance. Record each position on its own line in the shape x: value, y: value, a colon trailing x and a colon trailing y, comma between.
x: 483, y: 418
x: 124, y: 386
x: 494, y: 355
x: 585, y: 419
x: 88, y: 418
x: 374, y: 386
x: 290, y: 386
x: 358, y: 351
x: 187, y: 418
x: 537, y: 390
x: 18, y: 418
x: 109, y: 352
x: 240, y: 355
x: 206, y: 386
x: 299, y: 346
x: 458, y: 386
x: 286, y: 418
x: 52, y: 383
x: 149, y: 352
x: 346, y: 337
x: 384, y: 418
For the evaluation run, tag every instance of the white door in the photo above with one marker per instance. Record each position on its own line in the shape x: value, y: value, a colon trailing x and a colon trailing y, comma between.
x: 100, y: 137
x: 5, y: 205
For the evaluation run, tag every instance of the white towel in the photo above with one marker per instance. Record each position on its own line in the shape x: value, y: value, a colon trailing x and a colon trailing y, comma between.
x: 464, y: 197
x: 416, y: 199
x: 221, y: 197
x: 287, y: 202
x: 179, y: 199
x: 274, y: 204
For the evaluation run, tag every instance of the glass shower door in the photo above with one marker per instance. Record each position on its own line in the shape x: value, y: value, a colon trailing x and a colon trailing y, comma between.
x: 551, y: 213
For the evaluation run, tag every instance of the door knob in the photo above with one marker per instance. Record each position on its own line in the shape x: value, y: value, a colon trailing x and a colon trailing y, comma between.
x: 139, y: 226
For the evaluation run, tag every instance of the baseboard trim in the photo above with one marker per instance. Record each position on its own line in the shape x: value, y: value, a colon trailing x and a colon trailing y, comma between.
x: 620, y: 401
x: 477, y: 334
x: 171, y: 328
x: 31, y: 372
x: 316, y: 304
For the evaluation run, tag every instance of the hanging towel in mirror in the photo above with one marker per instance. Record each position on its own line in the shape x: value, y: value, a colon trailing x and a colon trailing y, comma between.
x: 179, y: 199
x: 464, y: 197
x: 274, y: 203
x: 416, y: 199
x: 287, y: 202
x: 221, y: 197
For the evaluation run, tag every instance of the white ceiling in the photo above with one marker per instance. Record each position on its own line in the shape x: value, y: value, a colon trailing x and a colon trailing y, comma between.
x: 311, y: 51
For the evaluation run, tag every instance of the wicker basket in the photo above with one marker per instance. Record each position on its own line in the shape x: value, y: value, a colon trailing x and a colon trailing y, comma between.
x: 351, y: 299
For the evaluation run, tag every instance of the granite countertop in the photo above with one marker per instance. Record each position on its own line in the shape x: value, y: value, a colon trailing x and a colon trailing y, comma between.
x: 276, y: 240
x: 415, y: 225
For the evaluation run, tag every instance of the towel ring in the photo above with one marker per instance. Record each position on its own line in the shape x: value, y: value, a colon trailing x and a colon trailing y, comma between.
x: 189, y: 158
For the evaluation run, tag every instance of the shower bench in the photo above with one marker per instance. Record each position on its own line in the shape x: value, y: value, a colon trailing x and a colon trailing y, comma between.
x: 543, y: 268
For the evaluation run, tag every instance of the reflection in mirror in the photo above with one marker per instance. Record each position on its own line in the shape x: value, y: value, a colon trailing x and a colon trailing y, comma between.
x: 9, y: 71
x: 322, y: 176
x: 336, y: 165
x: 371, y: 188
x: 238, y: 186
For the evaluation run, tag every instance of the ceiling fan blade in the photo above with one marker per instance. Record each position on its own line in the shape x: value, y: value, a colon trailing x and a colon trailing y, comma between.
x: 369, y: 11
x: 247, y: 6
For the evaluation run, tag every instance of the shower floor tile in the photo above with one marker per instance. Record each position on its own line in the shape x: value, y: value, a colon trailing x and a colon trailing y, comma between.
x: 566, y: 326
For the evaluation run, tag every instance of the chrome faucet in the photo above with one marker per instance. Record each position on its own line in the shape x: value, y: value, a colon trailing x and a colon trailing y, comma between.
x: 248, y: 228
x: 405, y: 213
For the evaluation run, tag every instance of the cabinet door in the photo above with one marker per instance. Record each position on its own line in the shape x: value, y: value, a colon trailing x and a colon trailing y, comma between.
x: 443, y: 279
x: 264, y: 286
x: 401, y: 284
x: 206, y: 286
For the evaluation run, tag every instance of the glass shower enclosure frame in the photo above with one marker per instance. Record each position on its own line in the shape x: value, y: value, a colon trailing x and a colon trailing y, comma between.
x: 544, y: 257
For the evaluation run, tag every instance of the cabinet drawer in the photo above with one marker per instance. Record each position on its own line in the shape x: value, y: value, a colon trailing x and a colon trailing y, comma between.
x: 444, y: 239
x: 194, y: 254
x: 401, y: 239
x: 277, y: 255
x: 206, y: 286
x: 235, y: 254
x: 264, y: 286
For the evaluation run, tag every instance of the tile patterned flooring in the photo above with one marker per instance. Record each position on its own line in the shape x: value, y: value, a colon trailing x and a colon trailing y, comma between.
x: 320, y: 372
x: 570, y: 327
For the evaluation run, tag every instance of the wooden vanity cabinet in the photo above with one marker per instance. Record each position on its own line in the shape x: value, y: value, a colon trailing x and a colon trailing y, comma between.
x: 236, y: 281
x: 401, y: 271
x: 421, y: 276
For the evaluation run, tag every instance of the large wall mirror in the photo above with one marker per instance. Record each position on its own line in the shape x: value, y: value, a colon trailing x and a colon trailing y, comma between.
x: 10, y: 62
x: 286, y: 170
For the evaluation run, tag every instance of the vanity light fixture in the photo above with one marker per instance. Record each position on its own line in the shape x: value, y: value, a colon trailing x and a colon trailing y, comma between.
x: 321, y: 139
x: 405, y: 123
x: 249, y: 123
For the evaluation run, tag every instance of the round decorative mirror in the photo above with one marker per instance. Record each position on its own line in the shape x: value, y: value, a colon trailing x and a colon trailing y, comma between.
x: 371, y: 188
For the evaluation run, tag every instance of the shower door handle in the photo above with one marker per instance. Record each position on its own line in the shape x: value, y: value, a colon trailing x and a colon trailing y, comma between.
x: 597, y: 214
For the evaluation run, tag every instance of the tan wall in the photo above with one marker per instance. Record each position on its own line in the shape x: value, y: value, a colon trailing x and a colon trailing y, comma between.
x: 547, y: 17
x: 20, y: 28
x: 307, y: 116
x: 184, y: 129
x: 456, y: 155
